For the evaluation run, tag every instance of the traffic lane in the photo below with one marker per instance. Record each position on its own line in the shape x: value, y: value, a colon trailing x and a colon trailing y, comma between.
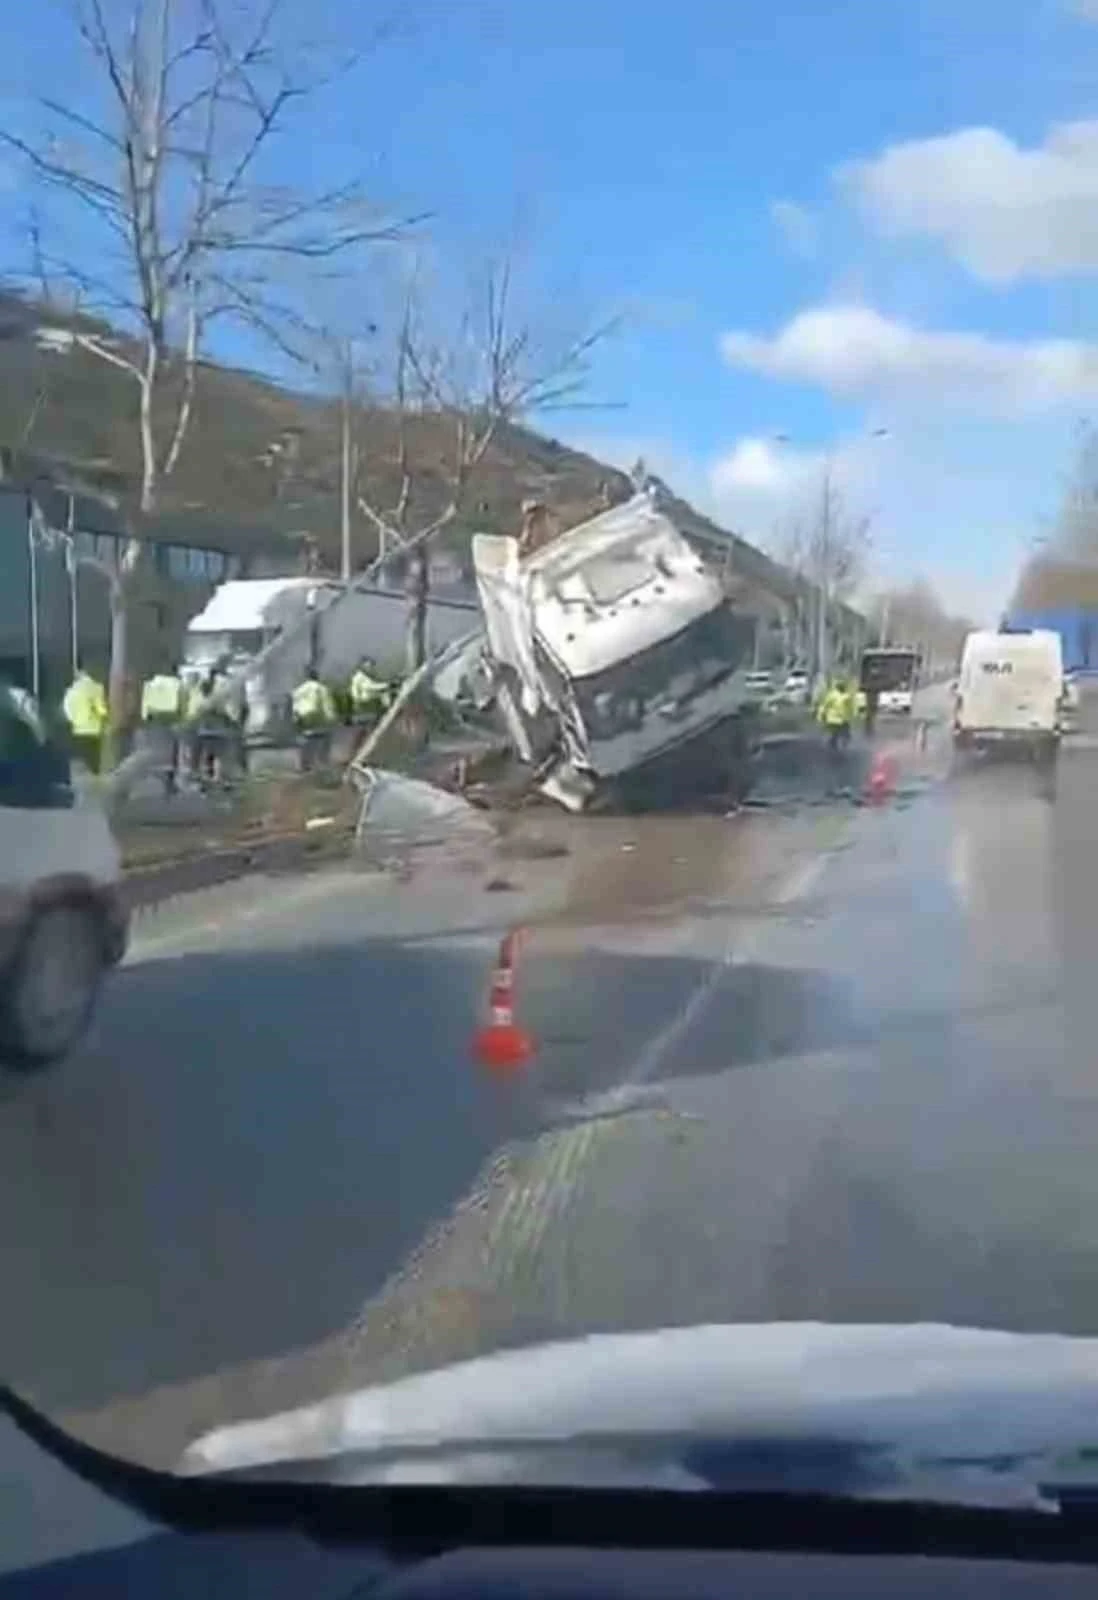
x: 917, y: 1146
x: 936, y: 1163
x: 939, y: 1165
x: 250, y: 1140
x: 612, y: 989
x: 273, y: 1104
x: 279, y: 1101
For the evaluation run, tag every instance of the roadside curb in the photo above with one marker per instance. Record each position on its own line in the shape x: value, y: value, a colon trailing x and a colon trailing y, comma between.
x: 148, y: 889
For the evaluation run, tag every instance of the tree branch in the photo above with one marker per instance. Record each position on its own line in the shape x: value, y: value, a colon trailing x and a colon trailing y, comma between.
x: 96, y: 347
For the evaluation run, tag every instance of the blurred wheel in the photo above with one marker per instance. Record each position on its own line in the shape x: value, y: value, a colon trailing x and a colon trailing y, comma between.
x: 49, y: 993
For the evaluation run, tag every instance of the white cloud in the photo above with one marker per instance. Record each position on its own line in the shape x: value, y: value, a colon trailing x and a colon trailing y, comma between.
x: 797, y: 227
x: 950, y: 503
x: 854, y: 351
x: 1004, y: 211
x: 761, y: 481
x: 1086, y: 10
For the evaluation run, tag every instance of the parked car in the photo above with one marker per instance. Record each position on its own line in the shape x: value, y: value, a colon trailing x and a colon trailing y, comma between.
x: 63, y: 924
x: 759, y: 686
x: 796, y: 691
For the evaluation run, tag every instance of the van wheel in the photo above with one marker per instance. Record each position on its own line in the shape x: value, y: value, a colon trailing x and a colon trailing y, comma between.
x: 50, y: 992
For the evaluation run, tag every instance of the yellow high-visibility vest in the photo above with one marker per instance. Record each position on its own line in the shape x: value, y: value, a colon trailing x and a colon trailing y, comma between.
x: 836, y: 708
x: 85, y: 707
x: 312, y: 702
x: 366, y: 690
x: 161, y: 697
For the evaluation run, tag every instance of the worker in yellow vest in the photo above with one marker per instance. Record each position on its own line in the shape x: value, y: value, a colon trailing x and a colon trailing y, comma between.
x: 836, y: 714
x: 368, y: 693
x: 314, y: 716
x: 161, y: 716
x: 85, y: 710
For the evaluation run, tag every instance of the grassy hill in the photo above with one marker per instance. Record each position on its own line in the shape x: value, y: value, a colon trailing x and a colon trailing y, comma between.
x: 261, y: 463
x: 258, y: 460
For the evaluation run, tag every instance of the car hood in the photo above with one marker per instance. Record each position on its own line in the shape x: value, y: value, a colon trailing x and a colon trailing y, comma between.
x: 923, y: 1411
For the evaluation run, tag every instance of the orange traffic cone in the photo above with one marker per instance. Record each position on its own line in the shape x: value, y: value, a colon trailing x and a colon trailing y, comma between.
x: 501, y: 1045
x: 882, y: 779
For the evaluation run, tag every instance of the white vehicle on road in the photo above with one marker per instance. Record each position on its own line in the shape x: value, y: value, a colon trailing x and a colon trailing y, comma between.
x: 796, y: 690
x: 759, y: 686
x: 1010, y: 693
x: 62, y: 917
x: 893, y: 671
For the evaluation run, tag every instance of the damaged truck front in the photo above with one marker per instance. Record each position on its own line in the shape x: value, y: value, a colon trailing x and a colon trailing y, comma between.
x: 618, y: 664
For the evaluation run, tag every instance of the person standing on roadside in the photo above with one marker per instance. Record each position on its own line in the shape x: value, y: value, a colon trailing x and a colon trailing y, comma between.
x: 161, y: 715
x: 85, y: 710
x: 836, y: 715
x: 368, y: 694
x: 314, y: 718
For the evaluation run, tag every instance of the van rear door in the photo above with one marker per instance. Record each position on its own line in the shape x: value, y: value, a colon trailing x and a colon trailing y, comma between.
x: 1011, y: 683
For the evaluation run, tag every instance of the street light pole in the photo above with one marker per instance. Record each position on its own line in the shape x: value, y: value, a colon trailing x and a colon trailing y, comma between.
x: 823, y: 577
x: 74, y: 600
x: 822, y: 564
x: 345, y: 468
x: 32, y: 557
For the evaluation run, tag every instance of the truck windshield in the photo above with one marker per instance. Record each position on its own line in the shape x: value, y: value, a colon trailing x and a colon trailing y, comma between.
x: 679, y: 668
x: 212, y: 646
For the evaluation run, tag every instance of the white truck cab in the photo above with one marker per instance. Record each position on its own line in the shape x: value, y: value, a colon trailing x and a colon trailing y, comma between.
x: 615, y: 650
x: 63, y: 923
x: 1009, y: 692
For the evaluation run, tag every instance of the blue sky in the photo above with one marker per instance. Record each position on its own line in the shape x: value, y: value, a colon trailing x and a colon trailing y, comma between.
x: 789, y: 202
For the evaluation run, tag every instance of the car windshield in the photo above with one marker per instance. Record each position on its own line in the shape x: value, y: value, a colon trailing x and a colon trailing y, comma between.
x: 506, y: 835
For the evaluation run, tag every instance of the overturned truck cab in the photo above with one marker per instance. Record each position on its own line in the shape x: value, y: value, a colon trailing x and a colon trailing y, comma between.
x: 618, y: 664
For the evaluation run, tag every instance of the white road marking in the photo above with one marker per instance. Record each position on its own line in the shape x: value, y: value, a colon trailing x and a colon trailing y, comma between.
x: 634, y: 1088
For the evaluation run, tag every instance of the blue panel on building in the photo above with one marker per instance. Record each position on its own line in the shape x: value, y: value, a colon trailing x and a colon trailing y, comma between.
x: 1078, y: 632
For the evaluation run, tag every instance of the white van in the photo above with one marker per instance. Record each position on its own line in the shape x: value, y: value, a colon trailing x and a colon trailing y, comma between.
x: 63, y: 923
x: 1010, y: 692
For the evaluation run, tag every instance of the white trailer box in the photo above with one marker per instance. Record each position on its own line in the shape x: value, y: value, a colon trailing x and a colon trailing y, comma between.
x: 291, y: 622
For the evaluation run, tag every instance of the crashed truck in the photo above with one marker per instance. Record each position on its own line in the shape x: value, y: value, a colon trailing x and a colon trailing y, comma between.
x: 616, y: 662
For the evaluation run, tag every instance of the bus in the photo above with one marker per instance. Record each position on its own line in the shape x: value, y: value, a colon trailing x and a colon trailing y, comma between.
x: 893, y: 672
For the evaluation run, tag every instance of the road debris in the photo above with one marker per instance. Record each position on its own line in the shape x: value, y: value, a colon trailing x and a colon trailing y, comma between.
x: 400, y: 813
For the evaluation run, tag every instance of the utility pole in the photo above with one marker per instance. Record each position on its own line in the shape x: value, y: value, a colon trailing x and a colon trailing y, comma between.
x: 823, y: 568
x: 345, y: 467
x: 73, y: 571
x: 32, y: 557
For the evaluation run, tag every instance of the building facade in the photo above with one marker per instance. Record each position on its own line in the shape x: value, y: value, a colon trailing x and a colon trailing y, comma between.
x: 58, y: 552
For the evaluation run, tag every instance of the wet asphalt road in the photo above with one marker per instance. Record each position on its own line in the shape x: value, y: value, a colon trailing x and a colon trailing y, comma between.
x: 820, y: 1062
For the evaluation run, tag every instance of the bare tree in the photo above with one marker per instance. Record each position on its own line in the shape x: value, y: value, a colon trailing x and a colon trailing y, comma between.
x: 1061, y: 570
x: 157, y: 163
x: 914, y: 615
x: 826, y: 545
x: 450, y: 396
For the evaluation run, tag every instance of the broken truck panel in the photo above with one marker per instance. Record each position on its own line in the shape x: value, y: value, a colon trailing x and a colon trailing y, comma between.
x: 614, y: 646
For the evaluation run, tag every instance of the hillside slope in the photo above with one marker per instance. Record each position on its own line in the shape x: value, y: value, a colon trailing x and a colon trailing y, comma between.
x: 257, y: 458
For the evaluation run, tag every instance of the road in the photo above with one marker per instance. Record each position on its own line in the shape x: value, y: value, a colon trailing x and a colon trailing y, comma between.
x: 817, y: 1061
